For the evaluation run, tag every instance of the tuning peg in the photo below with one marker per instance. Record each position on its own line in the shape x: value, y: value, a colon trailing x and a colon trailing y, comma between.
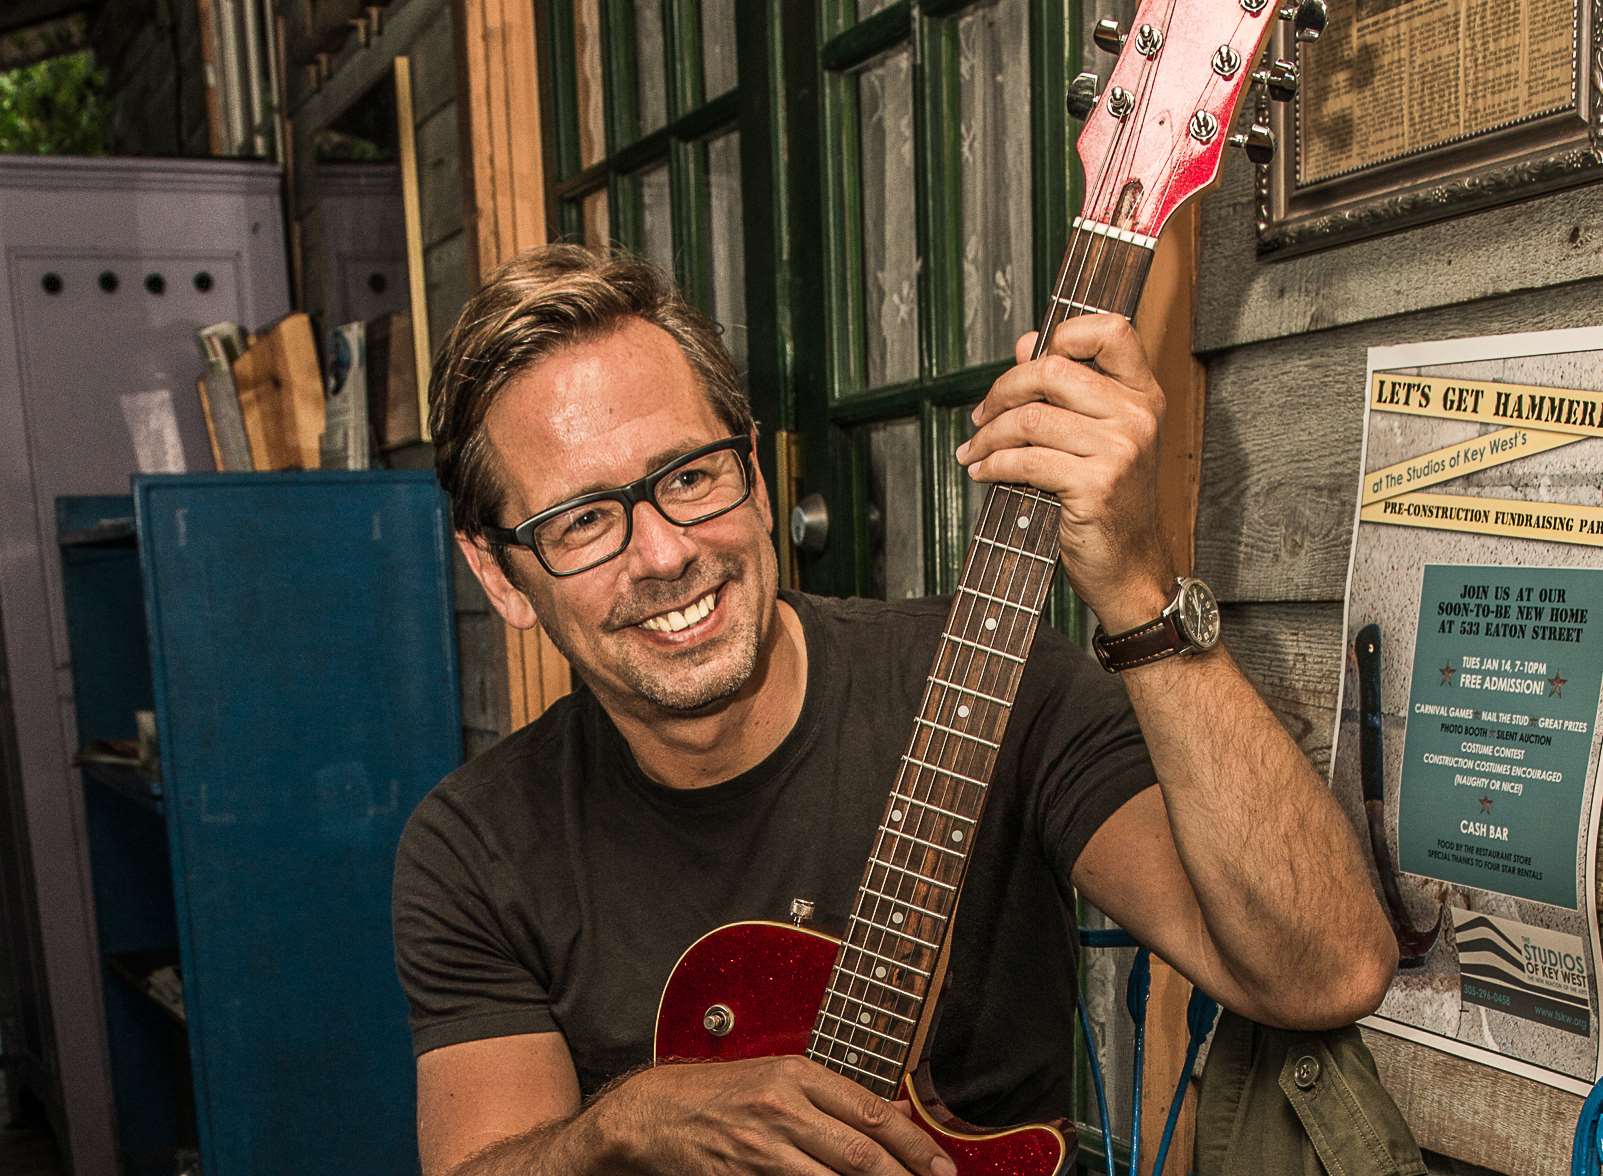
x: 1258, y: 142
x: 1279, y: 80
x: 1082, y: 97
x: 1308, y: 17
x: 1108, y: 35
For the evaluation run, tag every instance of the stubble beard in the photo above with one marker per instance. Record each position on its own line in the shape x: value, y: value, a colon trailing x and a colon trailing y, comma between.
x: 692, y: 680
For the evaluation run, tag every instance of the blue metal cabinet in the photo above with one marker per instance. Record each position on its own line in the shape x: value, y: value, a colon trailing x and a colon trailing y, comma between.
x: 303, y: 672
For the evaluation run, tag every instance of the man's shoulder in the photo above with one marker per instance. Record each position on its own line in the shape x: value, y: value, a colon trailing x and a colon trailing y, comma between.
x: 502, y: 782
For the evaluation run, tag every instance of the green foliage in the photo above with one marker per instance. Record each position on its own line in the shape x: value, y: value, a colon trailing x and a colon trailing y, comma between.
x: 55, y: 107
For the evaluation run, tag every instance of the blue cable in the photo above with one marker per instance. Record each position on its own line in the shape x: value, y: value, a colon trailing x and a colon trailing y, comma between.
x: 1201, y: 1011
x: 1136, y: 991
x: 1096, y: 1085
x: 1587, y: 1153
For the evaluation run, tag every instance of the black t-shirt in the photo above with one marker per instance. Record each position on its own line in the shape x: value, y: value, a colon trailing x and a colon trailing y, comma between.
x: 550, y: 885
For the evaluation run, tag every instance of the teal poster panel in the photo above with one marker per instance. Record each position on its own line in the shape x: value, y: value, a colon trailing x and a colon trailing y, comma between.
x: 1508, y: 663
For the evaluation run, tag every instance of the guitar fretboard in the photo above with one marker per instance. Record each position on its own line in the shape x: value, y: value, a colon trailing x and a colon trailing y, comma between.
x: 905, y: 904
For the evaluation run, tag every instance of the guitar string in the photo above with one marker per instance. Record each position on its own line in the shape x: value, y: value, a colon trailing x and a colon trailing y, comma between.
x: 930, y: 834
x: 973, y: 659
x: 994, y: 498
x: 1107, y: 273
x: 883, y: 853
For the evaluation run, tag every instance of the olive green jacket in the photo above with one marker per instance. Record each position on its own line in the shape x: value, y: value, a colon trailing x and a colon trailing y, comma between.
x: 1279, y: 1103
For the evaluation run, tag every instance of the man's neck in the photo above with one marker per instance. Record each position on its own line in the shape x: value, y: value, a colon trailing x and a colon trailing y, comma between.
x: 694, y: 751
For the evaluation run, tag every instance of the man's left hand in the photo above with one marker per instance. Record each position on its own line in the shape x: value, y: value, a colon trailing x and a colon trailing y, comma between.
x: 1086, y: 432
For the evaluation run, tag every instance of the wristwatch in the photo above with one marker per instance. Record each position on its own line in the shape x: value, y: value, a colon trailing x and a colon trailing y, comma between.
x: 1190, y: 624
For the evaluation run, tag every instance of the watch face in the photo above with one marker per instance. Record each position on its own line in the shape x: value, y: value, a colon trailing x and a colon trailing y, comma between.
x: 1199, y: 614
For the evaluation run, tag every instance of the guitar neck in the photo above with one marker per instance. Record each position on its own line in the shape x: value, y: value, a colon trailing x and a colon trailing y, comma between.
x: 889, y: 958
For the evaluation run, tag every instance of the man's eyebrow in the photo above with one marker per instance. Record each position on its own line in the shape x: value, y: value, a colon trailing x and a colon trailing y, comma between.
x: 655, y: 462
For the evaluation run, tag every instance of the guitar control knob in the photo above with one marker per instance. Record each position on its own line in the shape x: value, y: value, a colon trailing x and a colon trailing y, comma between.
x: 1308, y: 17
x: 1082, y: 98
x: 1258, y: 142
x: 1279, y: 80
x: 718, y: 1020
x: 801, y: 909
x: 1108, y: 35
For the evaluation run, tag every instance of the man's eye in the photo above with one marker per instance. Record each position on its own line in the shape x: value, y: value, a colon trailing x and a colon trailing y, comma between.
x: 583, y: 523
x: 689, y: 479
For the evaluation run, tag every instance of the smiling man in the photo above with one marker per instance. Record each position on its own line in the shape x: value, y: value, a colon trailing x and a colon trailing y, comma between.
x: 730, y: 746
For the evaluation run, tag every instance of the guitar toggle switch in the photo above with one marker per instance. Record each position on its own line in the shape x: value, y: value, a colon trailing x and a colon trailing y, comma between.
x: 801, y: 909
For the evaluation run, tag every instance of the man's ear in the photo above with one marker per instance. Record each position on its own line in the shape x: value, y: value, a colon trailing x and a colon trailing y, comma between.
x: 515, y: 607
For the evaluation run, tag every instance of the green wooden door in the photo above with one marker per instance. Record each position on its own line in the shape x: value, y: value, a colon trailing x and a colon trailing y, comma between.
x: 945, y: 189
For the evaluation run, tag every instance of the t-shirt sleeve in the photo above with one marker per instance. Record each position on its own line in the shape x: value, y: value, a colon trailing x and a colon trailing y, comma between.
x: 462, y: 981
x: 1083, y: 748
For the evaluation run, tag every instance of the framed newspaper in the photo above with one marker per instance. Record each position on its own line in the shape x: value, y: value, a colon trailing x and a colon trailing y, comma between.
x: 1416, y: 110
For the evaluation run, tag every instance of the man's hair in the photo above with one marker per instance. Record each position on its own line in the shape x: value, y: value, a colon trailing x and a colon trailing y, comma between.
x: 541, y: 301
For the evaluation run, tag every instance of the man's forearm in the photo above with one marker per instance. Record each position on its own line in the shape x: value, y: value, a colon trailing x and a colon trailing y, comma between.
x: 1278, y: 874
x: 574, y: 1145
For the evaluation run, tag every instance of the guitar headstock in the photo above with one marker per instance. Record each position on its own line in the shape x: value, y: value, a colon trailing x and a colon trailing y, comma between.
x: 1156, y: 134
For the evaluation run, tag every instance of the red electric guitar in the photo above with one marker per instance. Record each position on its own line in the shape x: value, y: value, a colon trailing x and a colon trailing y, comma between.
x: 860, y: 1005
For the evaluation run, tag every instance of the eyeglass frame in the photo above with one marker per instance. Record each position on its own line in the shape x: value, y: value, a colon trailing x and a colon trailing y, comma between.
x: 642, y: 489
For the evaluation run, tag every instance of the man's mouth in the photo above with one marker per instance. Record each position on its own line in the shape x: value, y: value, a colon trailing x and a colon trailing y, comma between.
x: 677, y: 620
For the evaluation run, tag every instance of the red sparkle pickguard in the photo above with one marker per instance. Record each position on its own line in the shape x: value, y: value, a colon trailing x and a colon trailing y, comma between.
x: 772, y: 977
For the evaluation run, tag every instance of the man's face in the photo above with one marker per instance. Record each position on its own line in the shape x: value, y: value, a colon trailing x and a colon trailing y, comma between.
x: 598, y: 415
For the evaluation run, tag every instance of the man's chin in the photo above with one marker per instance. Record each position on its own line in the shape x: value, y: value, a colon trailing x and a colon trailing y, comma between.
x: 694, y: 689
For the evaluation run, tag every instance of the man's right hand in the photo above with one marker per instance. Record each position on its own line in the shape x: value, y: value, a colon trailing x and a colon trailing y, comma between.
x: 767, y: 1115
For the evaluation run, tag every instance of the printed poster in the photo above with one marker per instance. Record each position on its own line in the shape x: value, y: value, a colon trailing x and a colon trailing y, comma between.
x: 1467, y: 741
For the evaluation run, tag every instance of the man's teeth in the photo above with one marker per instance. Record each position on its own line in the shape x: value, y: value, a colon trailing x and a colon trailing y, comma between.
x: 672, y: 622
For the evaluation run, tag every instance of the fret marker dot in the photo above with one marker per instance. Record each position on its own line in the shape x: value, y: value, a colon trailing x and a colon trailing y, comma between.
x: 879, y: 973
x: 896, y: 916
x: 962, y: 712
x: 851, y: 1059
x: 990, y: 623
x: 896, y: 814
x: 957, y: 835
x: 865, y: 1019
x: 1023, y: 522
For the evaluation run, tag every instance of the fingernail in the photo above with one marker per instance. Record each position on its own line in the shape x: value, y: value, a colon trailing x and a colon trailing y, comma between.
x: 962, y: 451
x: 975, y: 414
x: 942, y: 1166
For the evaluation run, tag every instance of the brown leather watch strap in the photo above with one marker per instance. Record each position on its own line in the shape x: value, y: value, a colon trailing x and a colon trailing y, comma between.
x: 1151, y: 642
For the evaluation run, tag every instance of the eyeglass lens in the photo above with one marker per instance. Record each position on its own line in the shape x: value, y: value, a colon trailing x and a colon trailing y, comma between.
x: 686, y: 494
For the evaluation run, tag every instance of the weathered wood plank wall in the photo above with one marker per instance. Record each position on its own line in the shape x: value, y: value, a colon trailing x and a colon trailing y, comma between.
x: 1285, y: 346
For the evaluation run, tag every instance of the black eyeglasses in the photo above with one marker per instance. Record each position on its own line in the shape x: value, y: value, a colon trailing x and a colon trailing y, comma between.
x: 584, y: 532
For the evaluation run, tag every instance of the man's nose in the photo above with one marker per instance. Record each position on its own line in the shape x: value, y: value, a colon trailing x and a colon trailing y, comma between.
x: 661, y: 549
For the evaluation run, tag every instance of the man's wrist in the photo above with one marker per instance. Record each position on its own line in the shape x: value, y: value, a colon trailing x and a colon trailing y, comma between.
x: 1135, y: 604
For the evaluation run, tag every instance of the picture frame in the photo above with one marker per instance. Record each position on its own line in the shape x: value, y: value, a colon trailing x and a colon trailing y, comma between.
x: 1312, y: 197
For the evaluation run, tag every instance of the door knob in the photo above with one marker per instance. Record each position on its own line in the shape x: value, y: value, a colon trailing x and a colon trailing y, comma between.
x: 809, y: 524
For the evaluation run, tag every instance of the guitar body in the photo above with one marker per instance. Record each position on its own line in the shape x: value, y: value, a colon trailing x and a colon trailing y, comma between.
x: 772, y: 977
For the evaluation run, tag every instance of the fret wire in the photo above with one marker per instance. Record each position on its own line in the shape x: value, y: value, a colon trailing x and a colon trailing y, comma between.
x: 1083, y: 307
x: 959, y: 734
x: 866, y: 1005
x: 937, y: 808
x: 848, y: 945
x: 969, y: 690
x: 911, y: 938
x: 902, y: 901
x: 947, y: 772
x: 839, y: 969
x: 921, y: 841
x: 874, y: 861
x: 861, y: 1049
x: 827, y: 1060
x: 997, y: 600
x: 1017, y: 550
x: 976, y: 645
